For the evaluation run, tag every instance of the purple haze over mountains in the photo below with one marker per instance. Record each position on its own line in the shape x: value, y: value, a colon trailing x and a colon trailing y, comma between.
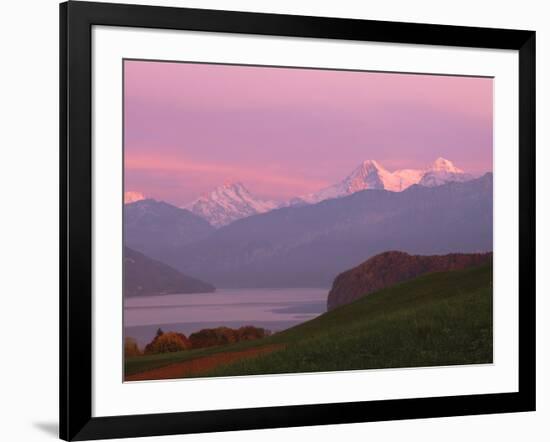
x: 307, y: 246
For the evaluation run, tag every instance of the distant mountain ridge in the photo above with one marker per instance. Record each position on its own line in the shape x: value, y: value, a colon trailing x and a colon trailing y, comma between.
x: 228, y: 203
x: 144, y: 276
x: 372, y: 175
x: 153, y: 227
x: 393, y: 267
x: 307, y: 246
x: 233, y: 201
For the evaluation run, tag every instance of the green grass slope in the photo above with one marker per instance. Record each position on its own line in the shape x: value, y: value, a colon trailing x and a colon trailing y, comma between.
x: 437, y: 319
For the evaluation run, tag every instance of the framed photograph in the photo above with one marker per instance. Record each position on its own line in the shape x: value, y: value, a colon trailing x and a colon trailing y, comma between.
x: 273, y: 220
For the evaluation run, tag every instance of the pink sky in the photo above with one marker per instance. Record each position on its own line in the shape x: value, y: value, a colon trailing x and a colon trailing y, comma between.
x: 287, y: 132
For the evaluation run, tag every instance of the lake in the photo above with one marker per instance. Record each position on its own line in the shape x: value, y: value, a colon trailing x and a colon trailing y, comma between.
x: 273, y: 309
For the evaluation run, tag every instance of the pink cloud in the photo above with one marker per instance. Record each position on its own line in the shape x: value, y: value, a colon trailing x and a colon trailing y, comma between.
x: 260, y: 180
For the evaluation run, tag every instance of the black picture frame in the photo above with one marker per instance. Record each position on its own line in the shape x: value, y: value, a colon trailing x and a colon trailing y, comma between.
x: 76, y: 21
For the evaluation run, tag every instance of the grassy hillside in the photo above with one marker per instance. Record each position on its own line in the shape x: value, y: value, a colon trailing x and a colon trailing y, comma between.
x: 437, y: 319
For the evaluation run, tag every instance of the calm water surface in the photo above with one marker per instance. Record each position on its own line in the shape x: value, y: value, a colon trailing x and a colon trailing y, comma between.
x: 274, y: 309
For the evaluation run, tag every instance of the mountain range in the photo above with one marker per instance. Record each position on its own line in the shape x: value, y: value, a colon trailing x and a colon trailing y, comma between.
x: 154, y: 227
x: 233, y: 201
x: 308, y: 245
x: 228, y: 203
x: 372, y: 175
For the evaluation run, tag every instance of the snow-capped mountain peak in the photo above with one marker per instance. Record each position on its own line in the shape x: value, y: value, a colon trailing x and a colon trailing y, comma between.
x: 232, y: 200
x: 372, y: 175
x: 227, y: 190
x: 443, y: 171
x: 227, y: 203
x: 368, y: 175
x: 444, y: 165
x: 370, y: 166
x: 132, y: 197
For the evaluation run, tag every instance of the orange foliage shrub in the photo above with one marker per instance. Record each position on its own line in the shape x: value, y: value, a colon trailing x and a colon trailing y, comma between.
x: 168, y: 342
x: 248, y: 333
x: 131, y: 347
x: 210, y: 337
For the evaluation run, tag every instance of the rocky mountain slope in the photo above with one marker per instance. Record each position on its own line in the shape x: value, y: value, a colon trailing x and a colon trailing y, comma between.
x: 390, y: 268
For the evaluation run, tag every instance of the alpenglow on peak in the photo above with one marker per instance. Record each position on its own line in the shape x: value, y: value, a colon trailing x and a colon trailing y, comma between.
x: 370, y: 174
x: 227, y: 203
x: 442, y: 164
